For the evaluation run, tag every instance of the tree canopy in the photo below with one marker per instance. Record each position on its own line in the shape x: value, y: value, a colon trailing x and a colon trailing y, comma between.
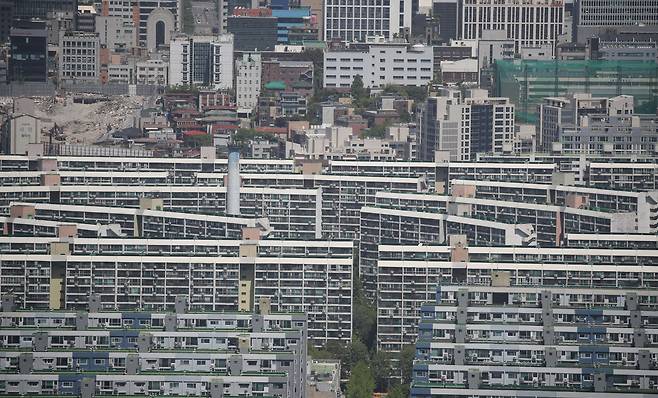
x: 362, y: 382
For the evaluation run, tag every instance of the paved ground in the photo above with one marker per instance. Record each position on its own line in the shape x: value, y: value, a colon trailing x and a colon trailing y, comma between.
x: 205, y: 17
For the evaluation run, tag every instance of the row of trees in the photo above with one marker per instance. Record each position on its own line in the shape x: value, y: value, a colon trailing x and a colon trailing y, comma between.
x: 367, y: 369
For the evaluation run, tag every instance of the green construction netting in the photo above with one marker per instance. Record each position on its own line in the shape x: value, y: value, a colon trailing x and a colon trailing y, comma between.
x: 527, y: 83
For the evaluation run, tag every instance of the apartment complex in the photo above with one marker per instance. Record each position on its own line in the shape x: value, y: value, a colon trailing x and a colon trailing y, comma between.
x: 217, y: 276
x: 151, y: 353
x: 536, y: 340
x: 408, y: 276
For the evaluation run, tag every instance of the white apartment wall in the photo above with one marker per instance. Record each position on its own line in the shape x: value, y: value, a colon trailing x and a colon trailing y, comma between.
x: 179, y: 60
x: 153, y: 71
x: 380, y: 65
x: 248, y: 80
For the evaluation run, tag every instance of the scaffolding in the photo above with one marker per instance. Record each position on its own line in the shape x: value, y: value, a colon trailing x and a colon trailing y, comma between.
x: 527, y: 83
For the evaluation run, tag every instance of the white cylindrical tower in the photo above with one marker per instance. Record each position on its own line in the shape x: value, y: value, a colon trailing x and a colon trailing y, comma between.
x: 233, y: 182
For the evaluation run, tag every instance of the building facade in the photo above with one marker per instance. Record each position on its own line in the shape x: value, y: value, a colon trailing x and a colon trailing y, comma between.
x: 488, y: 340
x: 379, y: 62
x: 528, y: 23
x: 205, y: 61
x: 248, y: 71
x: 28, y: 61
x: 360, y: 19
x: 153, y: 353
x: 79, y: 57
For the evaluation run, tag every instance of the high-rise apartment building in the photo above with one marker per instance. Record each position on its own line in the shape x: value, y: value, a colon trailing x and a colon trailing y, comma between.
x: 362, y: 18
x: 545, y: 339
x: 201, y: 61
x: 530, y: 23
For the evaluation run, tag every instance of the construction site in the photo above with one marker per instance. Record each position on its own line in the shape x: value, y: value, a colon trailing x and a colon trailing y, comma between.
x: 82, y: 119
x: 527, y: 83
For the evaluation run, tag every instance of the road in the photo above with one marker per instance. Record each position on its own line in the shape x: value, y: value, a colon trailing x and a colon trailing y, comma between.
x: 205, y: 17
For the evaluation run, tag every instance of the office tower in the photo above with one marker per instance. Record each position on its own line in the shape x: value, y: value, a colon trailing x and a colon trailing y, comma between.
x: 41, y: 8
x: 447, y: 13
x: 593, y: 18
x: 362, y: 18
x: 201, y: 61
x: 530, y: 23
x: 79, y: 57
x: 253, y: 29
x: 6, y: 16
x: 28, y: 61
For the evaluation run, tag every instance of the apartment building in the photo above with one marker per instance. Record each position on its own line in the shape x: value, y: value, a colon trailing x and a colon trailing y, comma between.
x: 312, y: 277
x: 490, y: 339
x: 380, y: 225
x: 634, y: 134
x: 152, y: 353
x: 379, y: 62
x: 408, y: 276
x: 550, y: 222
x: 152, y: 72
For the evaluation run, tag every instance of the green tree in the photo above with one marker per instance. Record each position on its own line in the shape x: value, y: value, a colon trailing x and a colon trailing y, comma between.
x: 365, y: 314
x: 197, y: 141
x: 243, y: 136
x: 399, y: 391
x: 381, y: 370
x: 375, y: 132
x: 358, y: 89
x: 362, y: 383
x: 356, y: 352
x: 406, y: 358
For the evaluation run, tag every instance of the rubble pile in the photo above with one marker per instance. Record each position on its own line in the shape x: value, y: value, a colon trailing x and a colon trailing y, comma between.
x: 88, y: 123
